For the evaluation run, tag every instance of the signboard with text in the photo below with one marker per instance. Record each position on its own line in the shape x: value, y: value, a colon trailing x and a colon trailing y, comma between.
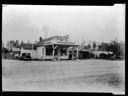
x: 59, y: 42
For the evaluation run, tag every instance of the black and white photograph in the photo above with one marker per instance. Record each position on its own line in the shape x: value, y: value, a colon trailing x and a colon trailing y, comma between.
x: 63, y: 48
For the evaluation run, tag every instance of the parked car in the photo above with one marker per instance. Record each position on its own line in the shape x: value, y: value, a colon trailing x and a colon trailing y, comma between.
x: 16, y: 56
x: 119, y: 57
x: 25, y: 56
x: 103, y: 55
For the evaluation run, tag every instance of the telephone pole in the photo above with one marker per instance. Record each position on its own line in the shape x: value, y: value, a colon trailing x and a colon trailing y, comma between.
x: 45, y: 31
x: 32, y: 40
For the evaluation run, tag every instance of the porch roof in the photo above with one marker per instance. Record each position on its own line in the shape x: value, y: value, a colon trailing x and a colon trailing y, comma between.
x: 105, y: 52
x: 41, y: 43
x: 83, y: 48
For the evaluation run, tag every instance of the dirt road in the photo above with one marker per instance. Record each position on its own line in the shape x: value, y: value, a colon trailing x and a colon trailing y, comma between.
x: 80, y: 76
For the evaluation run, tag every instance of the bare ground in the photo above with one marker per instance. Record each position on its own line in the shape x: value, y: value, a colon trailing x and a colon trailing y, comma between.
x: 73, y: 76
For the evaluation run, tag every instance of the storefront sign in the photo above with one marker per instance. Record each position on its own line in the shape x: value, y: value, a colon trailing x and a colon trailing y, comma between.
x: 59, y: 42
x: 47, y: 42
x: 67, y: 43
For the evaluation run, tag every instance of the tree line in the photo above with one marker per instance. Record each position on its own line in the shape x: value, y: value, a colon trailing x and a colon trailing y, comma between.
x: 115, y: 46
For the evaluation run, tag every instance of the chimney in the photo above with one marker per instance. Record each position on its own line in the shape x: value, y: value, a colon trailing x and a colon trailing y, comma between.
x: 40, y: 39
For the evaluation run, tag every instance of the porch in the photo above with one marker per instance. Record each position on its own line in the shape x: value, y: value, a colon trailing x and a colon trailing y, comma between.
x: 58, y: 52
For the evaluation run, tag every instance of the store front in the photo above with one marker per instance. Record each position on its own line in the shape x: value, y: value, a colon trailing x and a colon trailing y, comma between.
x: 55, y: 49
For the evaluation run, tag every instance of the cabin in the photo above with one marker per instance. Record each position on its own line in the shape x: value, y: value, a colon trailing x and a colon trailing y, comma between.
x: 85, y: 52
x: 29, y: 48
x: 103, y: 54
x: 15, y: 52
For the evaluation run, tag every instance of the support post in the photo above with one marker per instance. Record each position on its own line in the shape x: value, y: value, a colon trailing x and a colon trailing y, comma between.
x: 68, y: 52
x: 53, y: 58
x: 73, y: 53
x: 77, y: 53
x: 53, y: 52
x: 58, y: 57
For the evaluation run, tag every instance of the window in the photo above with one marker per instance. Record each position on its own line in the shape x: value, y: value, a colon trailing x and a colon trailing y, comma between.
x: 63, y: 51
x: 49, y: 50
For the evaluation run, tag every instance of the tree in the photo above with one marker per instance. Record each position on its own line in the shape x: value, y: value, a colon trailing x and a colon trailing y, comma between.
x: 29, y: 42
x: 89, y: 46
x: 22, y: 42
x: 4, y: 50
x: 83, y: 43
x: 103, y: 47
x: 115, y: 47
x: 17, y: 43
x: 36, y: 41
x: 94, y: 45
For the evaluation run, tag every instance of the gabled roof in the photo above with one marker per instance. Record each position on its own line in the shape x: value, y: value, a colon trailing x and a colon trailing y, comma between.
x: 58, y: 42
x: 83, y: 48
x: 28, y: 46
x: 105, y: 52
x: 80, y: 48
x: 16, y: 49
x: 47, y: 39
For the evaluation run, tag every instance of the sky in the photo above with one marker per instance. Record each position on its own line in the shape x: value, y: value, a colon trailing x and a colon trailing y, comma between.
x: 89, y: 23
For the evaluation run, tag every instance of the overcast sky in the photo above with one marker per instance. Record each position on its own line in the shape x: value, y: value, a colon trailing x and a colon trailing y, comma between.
x: 89, y: 23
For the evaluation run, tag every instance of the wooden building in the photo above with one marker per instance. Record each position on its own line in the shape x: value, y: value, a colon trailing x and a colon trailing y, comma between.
x: 84, y: 52
x: 55, y: 48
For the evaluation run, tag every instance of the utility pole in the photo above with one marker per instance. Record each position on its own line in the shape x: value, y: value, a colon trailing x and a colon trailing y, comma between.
x: 32, y: 40
x: 45, y: 31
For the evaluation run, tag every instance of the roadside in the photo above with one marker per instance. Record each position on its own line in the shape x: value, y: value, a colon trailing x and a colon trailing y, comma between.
x: 80, y: 76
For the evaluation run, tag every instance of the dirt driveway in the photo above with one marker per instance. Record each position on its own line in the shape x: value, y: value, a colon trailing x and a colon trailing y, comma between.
x: 73, y: 76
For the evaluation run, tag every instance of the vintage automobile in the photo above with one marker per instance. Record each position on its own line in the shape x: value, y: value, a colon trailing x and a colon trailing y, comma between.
x: 25, y: 56
x: 16, y: 56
